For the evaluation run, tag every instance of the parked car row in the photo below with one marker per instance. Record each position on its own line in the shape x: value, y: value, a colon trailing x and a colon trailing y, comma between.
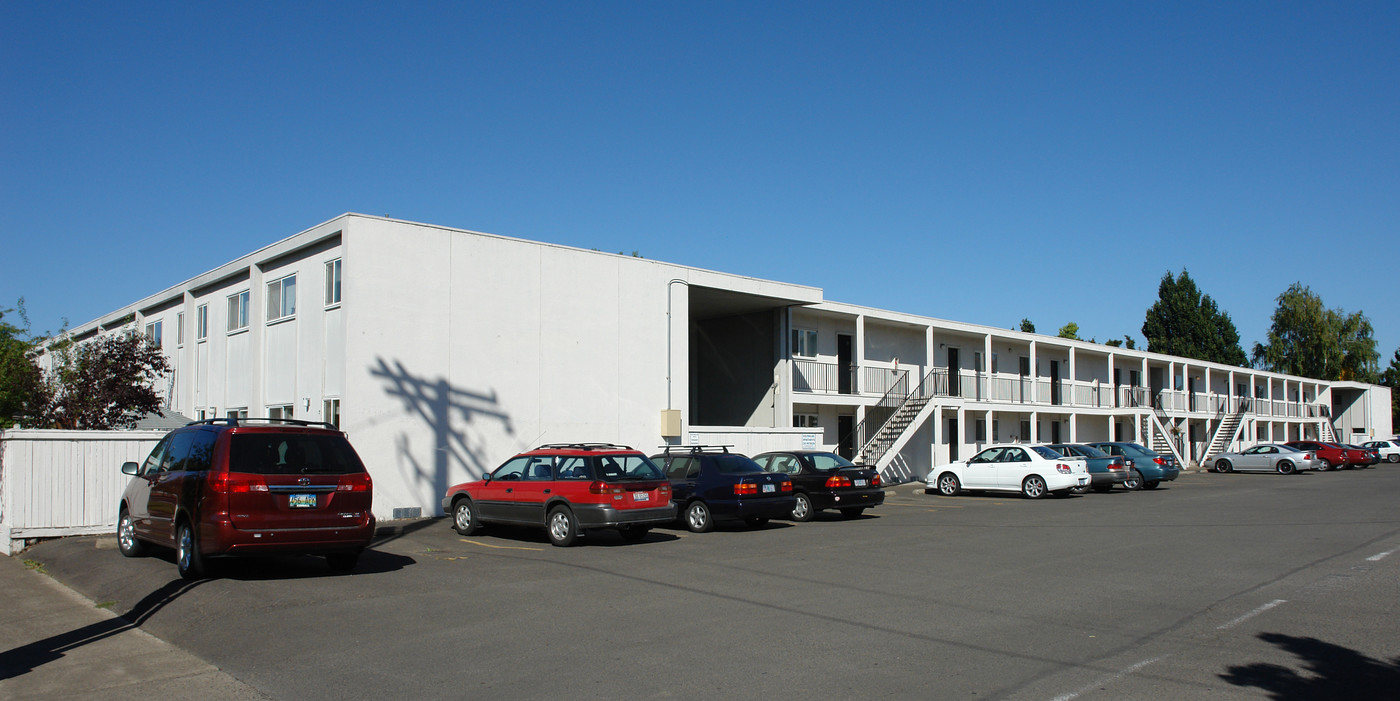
x: 574, y: 488
x: 1061, y: 468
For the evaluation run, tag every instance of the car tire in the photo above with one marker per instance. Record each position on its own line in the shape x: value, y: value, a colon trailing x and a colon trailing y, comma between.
x: 755, y: 521
x: 1326, y: 466
x: 698, y: 518
x: 1134, y: 481
x: 1151, y: 484
x: 1285, y: 467
x: 127, y: 542
x: 1392, y: 458
x: 1103, y: 488
x: 188, y: 559
x: 948, y: 484
x: 1222, y: 466
x: 562, y: 528
x: 852, y: 512
x: 464, y: 519
x: 802, y: 508
x: 343, y: 563
x: 633, y: 534
x: 1033, y: 487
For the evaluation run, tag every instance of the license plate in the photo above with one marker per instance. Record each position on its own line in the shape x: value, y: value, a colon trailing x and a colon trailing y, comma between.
x: 770, y: 488
x: 301, y: 501
x: 860, y: 483
x: 1083, y: 481
x: 641, y: 496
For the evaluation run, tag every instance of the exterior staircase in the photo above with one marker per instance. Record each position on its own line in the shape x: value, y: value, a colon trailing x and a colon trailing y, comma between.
x: 892, y: 421
x: 1328, y: 434
x: 1226, y: 432
x: 1159, y: 440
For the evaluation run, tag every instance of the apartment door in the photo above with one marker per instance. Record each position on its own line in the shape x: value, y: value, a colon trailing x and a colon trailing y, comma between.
x: 954, y: 375
x: 845, y: 363
x: 1054, y: 431
x: 1054, y: 382
x: 954, y: 439
x: 846, y: 440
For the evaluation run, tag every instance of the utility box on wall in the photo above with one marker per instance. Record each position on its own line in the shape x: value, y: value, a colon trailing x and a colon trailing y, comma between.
x: 670, y: 423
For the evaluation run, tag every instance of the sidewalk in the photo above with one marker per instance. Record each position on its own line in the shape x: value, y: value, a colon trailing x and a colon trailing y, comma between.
x: 55, y: 644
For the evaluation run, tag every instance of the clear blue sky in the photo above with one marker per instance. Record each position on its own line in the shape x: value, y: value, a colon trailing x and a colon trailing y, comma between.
x: 980, y: 162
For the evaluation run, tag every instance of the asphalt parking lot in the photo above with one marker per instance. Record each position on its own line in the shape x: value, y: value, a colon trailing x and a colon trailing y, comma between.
x: 1213, y: 586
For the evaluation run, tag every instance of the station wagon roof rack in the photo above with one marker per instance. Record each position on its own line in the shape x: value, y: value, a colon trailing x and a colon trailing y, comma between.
x: 584, y: 446
x: 693, y: 449
x: 233, y: 421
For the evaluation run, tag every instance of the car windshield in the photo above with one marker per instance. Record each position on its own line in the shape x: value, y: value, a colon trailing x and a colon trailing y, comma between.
x: 826, y: 462
x: 292, y: 453
x: 734, y: 464
x: 623, y: 468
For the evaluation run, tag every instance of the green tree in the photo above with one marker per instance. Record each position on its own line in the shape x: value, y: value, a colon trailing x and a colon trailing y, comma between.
x: 1306, y: 338
x: 22, y: 389
x: 1070, y: 331
x: 1391, y: 378
x: 1027, y: 326
x: 1186, y: 323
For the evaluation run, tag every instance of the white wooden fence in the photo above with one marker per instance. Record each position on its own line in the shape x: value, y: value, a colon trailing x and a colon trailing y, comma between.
x: 57, y: 483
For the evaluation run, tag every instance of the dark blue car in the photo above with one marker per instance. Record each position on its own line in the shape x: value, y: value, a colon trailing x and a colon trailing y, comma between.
x: 709, y: 483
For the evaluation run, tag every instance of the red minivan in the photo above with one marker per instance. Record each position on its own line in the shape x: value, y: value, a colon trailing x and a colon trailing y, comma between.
x: 247, y: 486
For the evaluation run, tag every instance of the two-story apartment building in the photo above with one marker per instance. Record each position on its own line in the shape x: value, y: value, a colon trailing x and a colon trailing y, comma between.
x: 443, y: 351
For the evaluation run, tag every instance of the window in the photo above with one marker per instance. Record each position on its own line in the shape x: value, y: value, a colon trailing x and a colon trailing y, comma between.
x: 180, y: 329
x: 981, y: 434
x: 238, y: 311
x: 201, y: 322
x: 333, y: 282
x: 804, y: 421
x: 1025, y: 430
x: 1025, y: 366
x: 280, y: 412
x: 282, y: 298
x: 236, y: 413
x: 804, y: 343
x: 331, y: 412
x: 153, y: 332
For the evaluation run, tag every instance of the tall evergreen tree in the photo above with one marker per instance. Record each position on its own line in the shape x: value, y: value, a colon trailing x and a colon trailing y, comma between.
x: 1391, y: 378
x: 1306, y: 338
x: 1186, y: 323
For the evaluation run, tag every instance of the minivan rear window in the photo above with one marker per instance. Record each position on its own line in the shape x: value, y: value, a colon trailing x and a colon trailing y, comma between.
x: 292, y: 454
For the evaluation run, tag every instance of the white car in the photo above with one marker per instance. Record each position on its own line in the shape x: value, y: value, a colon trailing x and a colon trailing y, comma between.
x: 1032, y: 470
x: 1389, y: 450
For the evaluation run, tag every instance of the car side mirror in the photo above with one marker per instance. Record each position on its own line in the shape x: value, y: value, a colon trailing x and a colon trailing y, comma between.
x: 486, y: 477
x: 130, y: 468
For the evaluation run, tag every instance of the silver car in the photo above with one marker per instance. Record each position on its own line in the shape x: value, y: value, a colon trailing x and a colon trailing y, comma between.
x: 1268, y: 457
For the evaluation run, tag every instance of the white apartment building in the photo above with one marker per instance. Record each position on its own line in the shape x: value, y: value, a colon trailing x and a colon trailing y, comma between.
x: 442, y: 352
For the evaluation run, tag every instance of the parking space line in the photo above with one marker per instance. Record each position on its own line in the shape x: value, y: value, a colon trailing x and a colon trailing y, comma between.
x: 1103, y: 681
x: 1251, y: 614
x: 1379, y: 557
x: 498, y: 547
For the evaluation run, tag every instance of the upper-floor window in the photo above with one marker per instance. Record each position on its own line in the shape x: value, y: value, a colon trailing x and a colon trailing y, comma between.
x: 282, y: 298
x: 153, y: 332
x: 201, y: 322
x: 804, y: 343
x: 238, y: 311
x: 180, y: 329
x: 333, y: 282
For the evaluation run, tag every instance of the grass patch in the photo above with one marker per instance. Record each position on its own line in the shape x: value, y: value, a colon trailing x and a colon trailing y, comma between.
x: 36, y: 566
x: 105, y: 604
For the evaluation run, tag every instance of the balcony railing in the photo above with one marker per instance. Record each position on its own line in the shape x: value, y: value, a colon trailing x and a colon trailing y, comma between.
x: 816, y: 376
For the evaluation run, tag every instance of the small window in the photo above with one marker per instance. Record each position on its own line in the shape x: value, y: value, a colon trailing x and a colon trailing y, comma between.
x: 154, y: 333
x: 330, y: 412
x: 238, y: 311
x: 201, y: 322
x: 282, y: 298
x: 180, y: 329
x: 333, y: 283
x: 981, y: 431
x: 804, y: 343
x: 283, y: 411
x: 804, y: 421
x: 236, y: 413
x: 540, y: 468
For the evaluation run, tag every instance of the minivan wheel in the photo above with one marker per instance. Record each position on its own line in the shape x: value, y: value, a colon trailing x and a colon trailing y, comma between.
x: 464, y: 517
x: 187, y: 556
x: 1033, y: 487
x: 126, y: 537
x: 697, y: 517
x: 342, y: 562
x: 563, y: 529
x: 802, y: 508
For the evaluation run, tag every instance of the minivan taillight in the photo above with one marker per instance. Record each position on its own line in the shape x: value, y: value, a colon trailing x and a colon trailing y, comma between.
x: 357, y: 482
x: 236, y: 483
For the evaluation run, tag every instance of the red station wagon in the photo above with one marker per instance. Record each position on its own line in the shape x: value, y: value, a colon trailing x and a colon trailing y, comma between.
x: 569, y: 489
x: 248, y: 486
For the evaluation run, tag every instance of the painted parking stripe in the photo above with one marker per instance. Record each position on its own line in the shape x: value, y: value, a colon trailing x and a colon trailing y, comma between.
x: 1251, y: 614
x: 1379, y: 556
x: 1104, y: 681
x: 497, y: 547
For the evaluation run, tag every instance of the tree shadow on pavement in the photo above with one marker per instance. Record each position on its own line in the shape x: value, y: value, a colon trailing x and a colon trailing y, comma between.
x: 1338, y: 672
x: 26, y: 658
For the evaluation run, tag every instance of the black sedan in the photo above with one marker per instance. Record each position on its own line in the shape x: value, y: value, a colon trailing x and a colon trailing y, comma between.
x: 823, y: 480
x: 709, y: 483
